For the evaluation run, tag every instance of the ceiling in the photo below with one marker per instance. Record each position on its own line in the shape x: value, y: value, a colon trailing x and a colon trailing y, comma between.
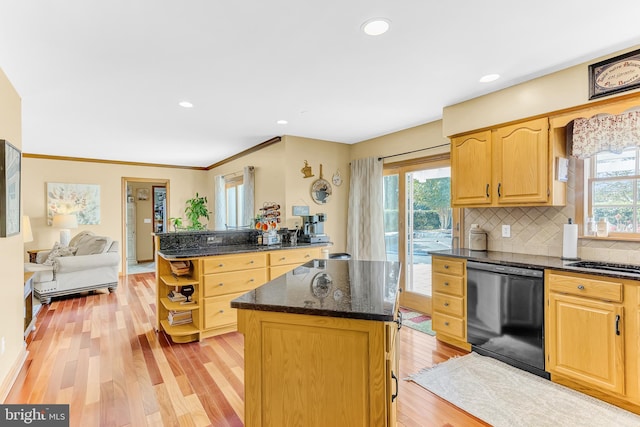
x: 103, y: 79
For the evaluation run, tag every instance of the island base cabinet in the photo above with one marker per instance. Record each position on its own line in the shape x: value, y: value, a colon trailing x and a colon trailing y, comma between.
x: 303, y: 370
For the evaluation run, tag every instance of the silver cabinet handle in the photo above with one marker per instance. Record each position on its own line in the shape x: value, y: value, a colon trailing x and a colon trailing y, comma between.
x: 307, y: 256
x: 220, y: 265
x: 220, y: 284
x: 446, y: 283
x: 282, y: 259
x: 252, y: 280
x: 581, y: 287
x: 446, y: 323
x: 446, y: 304
x: 446, y: 267
x: 221, y: 311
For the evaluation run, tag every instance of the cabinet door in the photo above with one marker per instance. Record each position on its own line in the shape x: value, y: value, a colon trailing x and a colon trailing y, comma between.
x: 521, y: 162
x: 392, y: 371
x: 586, y: 341
x: 471, y: 169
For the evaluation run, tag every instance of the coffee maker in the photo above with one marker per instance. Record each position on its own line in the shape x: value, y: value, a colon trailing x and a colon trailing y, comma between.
x: 312, y: 230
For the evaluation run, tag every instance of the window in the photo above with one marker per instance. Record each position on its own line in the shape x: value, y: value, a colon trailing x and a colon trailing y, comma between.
x: 234, y: 189
x: 612, y: 191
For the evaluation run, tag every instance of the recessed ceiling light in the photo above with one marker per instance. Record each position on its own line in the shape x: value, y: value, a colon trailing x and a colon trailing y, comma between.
x: 282, y: 122
x: 376, y: 26
x: 489, y: 78
x: 185, y: 104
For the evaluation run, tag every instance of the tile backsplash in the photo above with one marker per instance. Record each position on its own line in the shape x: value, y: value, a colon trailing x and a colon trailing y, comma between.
x: 538, y: 231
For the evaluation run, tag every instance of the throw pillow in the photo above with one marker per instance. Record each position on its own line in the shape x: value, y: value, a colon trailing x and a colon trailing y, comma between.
x: 93, y: 245
x: 58, y: 251
x: 80, y: 237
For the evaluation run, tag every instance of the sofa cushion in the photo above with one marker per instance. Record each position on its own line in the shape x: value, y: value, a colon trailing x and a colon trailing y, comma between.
x: 58, y: 251
x: 93, y: 245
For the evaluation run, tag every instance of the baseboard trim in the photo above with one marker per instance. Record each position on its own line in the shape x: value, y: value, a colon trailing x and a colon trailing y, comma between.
x: 8, y: 382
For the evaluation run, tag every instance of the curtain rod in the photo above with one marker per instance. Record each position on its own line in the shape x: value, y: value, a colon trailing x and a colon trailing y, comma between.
x: 414, y: 151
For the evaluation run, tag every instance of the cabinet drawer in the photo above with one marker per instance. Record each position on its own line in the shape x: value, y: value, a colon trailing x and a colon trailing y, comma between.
x: 218, y: 311
x: 448, y: 304
x: 448, y: 266
x: 233, y: 282
x: 447, y: 284
x: 449, y: 325
x: 591, y: 288
x: 221, y: 264
x: 293, y: 256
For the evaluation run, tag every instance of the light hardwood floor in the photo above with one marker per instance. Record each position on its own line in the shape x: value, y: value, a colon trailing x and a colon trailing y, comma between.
x: 100, y: 354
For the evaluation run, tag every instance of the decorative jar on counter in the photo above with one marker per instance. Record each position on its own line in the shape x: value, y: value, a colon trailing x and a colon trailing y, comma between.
x: 603, y: 228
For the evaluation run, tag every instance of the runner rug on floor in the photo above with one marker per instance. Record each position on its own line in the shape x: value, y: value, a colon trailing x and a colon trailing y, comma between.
x: 504, y: 396
x: 418, y: 321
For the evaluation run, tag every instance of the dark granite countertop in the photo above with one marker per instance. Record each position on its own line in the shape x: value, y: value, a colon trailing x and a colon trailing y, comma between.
x: 214, y: 250
x: 530, y: 261
x: 337, y: 288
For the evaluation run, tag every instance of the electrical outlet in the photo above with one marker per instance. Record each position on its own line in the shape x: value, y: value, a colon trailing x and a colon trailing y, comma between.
x: 506, y: 230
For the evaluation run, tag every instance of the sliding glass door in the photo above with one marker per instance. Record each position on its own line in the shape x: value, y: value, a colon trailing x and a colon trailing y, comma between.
x: 418, y: 219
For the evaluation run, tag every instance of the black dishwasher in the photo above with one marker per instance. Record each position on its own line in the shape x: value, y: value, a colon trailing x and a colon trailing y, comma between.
x: 505, y: 314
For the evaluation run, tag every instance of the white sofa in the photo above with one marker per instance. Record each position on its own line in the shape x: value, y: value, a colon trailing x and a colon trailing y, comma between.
x: 90, y: 262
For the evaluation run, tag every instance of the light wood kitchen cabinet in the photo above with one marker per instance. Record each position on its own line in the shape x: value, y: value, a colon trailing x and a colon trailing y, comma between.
x: 449, y: 314
x: 281, y: 262
x: 347, y: 365
x: 218, y: 280
x: 591, y: 337
x: 511, y: 165
x: 521, y: 162
x: 471, y: 169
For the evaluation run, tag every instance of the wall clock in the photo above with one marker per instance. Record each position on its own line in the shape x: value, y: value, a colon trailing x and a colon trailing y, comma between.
x: 337, y: 179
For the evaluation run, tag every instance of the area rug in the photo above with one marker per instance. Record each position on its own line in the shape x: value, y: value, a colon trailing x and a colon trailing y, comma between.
x: 418, y: 321
x: 504, y: 396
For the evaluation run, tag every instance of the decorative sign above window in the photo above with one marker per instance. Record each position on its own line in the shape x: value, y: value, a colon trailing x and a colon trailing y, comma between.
x: 614, y: 75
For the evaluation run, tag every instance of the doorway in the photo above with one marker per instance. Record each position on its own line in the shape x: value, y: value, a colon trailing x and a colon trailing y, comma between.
x: 418, y: 219
x: 145, y: 211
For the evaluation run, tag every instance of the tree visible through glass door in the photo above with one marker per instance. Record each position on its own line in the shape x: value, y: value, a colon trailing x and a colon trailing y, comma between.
x: 418, y: 218
x: 429, y: 224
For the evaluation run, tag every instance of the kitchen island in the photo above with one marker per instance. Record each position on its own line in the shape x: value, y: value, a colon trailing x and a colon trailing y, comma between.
x: 214, y: 268
x: 320, y: 345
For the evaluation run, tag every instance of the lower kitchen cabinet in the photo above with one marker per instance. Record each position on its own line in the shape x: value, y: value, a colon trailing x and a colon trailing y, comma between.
x: 281, y: 262
x: 217, y: 280
x: 305, y: 370
x: 449, y: 308
x: 591, y: 336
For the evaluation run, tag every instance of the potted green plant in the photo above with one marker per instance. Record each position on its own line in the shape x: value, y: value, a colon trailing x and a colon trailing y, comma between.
x: 176, y: 222
x: 196, y: 209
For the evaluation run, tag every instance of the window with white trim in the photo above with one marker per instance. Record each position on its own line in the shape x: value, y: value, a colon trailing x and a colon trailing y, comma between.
x: 612, y: 190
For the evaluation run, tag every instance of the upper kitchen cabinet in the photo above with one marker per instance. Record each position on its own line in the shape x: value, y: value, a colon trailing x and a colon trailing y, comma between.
x: 520, y: 162
x: 511, y: 165
x: 471, y: 169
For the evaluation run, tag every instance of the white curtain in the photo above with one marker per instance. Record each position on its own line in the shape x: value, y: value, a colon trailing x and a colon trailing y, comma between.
x: 365, y: 222
x: 220, y: 203
x: 605, y: 132
x: 248, y: 180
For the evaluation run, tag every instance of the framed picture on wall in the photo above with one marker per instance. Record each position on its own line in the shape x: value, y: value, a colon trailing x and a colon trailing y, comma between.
x: 83, y: 200
x: 10, y: 158
x: 143, y: 194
